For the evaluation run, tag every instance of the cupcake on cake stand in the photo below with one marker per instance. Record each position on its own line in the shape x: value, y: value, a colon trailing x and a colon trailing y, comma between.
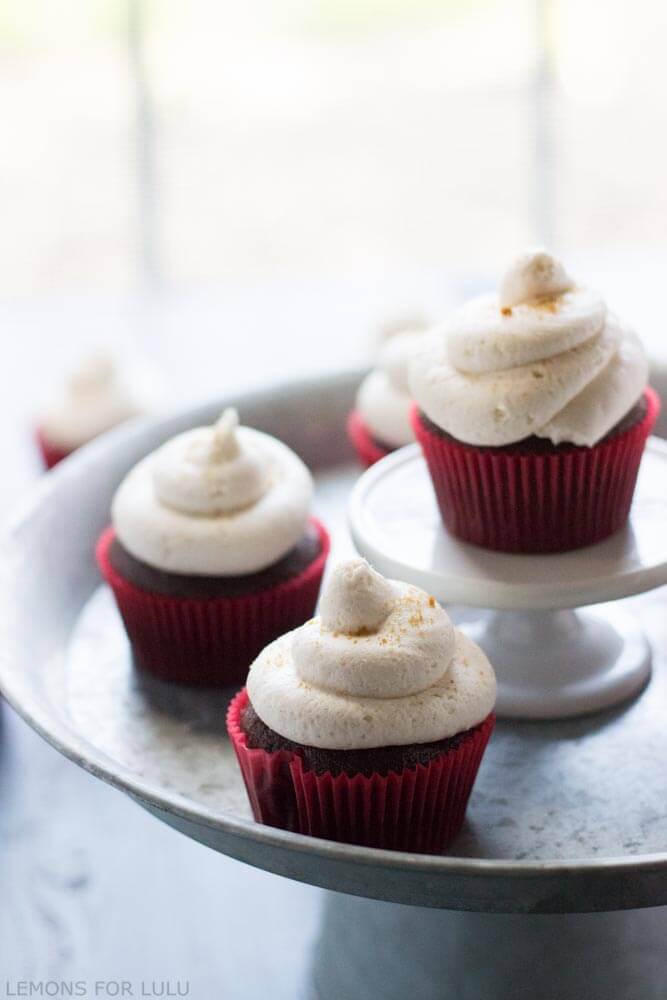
x: 532, y: 412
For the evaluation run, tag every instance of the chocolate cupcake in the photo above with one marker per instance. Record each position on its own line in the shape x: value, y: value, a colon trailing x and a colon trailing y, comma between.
x: 212, y: 552
x: 100, y: 394
x: 368, y: 723
x: 380, y: 420
x: 533, y: 411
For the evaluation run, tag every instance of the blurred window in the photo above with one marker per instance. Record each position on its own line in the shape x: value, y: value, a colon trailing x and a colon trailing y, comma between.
x: 190, y: 141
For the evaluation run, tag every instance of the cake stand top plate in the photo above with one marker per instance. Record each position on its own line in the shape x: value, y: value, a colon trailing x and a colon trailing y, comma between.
x: 565, y: 816
x: 395, y: 523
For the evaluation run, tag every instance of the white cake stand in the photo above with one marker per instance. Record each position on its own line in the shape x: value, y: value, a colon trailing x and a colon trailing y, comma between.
x: 551, y: 661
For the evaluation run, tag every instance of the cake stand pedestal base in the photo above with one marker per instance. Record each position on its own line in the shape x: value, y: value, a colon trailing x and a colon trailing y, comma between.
x: 385, y: 950
x: 558, y: 664
x: 551, y: 662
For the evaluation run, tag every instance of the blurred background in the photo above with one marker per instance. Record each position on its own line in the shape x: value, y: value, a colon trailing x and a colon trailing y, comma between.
x: 167, y: 144
x: 287, y: 171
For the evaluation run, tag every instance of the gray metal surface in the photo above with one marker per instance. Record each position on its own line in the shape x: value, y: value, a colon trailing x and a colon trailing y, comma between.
x: 565, y: 817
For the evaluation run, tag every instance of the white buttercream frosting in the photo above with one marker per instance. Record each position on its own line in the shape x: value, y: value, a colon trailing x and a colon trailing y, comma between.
x: 382, y: 666
x: 543, y: 357
x: 534, y: 275
x: 384, y: 399
x: 214, y: 501
x: 100, y: 394
x: 407, y: 321
x: 207, y: 472
x: 357, y: 599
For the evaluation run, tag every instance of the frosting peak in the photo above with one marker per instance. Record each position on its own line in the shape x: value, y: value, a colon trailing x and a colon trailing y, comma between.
x: 534, y: 275
x: 357, y: 600
x: 208, y: 471
x: 225, y: 444
x: 95, y: 373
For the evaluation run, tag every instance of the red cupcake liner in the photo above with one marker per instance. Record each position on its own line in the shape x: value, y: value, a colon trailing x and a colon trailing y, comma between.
x: 368, y: 451
x: 210, y: 642
x: 520, y: 501
x: 50, y: 453
x: 421, y: 809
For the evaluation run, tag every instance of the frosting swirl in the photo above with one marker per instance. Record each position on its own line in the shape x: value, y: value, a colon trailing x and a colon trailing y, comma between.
x: 214, y: 501
x: 95, y: 397
x: 382, y: 666
x: 543, y: 357
x: 207, y: 472
x: 384, y: 399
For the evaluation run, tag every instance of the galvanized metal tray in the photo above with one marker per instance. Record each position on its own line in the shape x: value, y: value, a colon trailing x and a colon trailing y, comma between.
x: 565, y: 816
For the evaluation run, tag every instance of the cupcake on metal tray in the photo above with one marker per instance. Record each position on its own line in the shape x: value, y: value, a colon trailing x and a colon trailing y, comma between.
x: 380, y: 420
x: 212, y: 551
x: 101, y: 393
x: 368, y: 723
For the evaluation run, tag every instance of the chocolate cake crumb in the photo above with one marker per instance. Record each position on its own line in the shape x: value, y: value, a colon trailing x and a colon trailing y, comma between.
x: 377, y: 760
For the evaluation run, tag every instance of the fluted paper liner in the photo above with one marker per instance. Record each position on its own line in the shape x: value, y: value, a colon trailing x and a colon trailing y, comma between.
x: 210, y: 641
x: 419, y: 809
x: 368, y: 451
x: 521, y: 501
x: 50, y: 453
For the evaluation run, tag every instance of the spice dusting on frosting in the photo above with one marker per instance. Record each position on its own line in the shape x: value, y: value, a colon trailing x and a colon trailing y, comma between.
x: 382, y: 666
x: 533, y: 276
x: 543, y: 356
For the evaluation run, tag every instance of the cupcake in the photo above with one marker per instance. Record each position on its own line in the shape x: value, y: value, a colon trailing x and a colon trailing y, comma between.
x: 532, y: 410
x: 380, y: 420
x: 98, y: 396
x: 368, y: 723
x: 211, y: 553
